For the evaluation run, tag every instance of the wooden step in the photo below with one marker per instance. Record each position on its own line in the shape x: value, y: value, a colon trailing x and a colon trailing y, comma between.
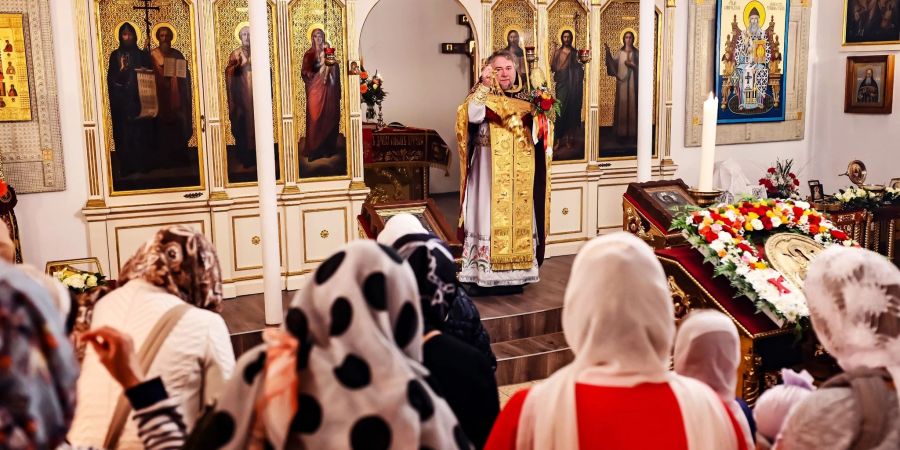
x: 531, y: 358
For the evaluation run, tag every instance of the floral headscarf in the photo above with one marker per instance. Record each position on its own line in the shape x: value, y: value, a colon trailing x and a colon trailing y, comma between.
x: 182, y: 261
x: 38, y: 370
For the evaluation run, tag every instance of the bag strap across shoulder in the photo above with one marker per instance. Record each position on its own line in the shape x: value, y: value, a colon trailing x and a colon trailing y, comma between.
x: 872, y: 398
x: 146, y: 355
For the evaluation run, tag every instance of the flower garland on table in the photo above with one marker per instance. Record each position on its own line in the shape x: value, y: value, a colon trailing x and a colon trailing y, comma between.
x: 722, y: 234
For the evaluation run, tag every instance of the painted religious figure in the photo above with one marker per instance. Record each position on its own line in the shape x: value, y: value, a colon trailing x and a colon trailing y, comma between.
x: 750, y: 71
x: 568, y: 78
x: 623, y: 65
x: 514, y: 47
x: 872, y: 21
x: 322, y: 149
x: 173, y: 125
x: 132, y: 134
x: 504, y: 182
x: 868, y: 89
x: 15, y: 95
x: 239, y: 90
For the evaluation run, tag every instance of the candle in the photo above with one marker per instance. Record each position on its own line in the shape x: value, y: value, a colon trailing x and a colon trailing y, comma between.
x: 708, y: 149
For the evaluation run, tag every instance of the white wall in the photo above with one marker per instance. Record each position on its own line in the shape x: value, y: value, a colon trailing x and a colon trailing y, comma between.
x: 840, y: 137
x: 401, y: 39
x: 753, y: 158
x: 51, y: 224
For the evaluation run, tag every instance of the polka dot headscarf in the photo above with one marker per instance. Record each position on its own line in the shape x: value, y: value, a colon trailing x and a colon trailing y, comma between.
x: 361, y: 385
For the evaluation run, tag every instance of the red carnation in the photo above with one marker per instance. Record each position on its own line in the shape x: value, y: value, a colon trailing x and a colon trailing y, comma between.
x: 711, y: 237
x: 813, y: 229
x: 798, y: 211
x: 771, y: 170
x: 814, y: 219
x: 546, y: 104
x: 743, y: 246
x: 766, y: 221
x: 697, y: 219
x: 796, y: 182
x: 838, y: 234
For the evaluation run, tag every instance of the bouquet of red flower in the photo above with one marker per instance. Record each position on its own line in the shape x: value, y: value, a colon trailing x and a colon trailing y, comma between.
x: 780, y: 181
x: 544, y: 102
x: 370, y: 88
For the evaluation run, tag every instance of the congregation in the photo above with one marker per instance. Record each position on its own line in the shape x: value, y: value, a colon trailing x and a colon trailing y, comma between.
x: 361, y: 364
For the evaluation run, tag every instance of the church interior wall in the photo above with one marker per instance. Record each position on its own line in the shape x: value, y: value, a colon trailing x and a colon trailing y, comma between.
x: 753, y: 158
x: 51, y: 224
x: 839, y: 137
x: 424, y: 86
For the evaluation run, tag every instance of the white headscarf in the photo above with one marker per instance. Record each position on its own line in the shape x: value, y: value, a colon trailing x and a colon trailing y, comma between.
x: 618, y: 319
x: 707, y: 348
x: 399, y: 226
x: 854, y: 303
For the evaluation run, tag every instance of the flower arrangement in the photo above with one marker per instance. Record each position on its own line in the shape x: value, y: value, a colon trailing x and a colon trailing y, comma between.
x: 780, y: 181
x: 855, y: 197
x: 79, y: 281
x: 723, y: 234
x: 544, y: 102
x: 4, y: 188
x: 371, y: 88
x: 891, y: 195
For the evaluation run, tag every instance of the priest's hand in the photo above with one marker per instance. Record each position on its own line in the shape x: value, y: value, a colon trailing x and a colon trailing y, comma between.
x: 486, y: 74
x: 116, y: 352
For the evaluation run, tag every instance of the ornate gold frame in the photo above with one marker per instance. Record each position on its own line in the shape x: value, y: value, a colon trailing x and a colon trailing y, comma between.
x: 869, y: 45
x: 350, y: 149
x: 657, y: 91
x: 276, y: 99
x: 586, y: 88
x: 102, y: 95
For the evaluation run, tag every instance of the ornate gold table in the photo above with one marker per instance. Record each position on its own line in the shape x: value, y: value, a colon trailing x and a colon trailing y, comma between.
x: 396, y: 162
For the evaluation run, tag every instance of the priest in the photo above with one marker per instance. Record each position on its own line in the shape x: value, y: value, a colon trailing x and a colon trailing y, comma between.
x: 504, y: 182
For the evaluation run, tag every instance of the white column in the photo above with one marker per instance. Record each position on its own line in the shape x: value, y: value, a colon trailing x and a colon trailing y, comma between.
x: 645, y: 90
x: 265, y: 158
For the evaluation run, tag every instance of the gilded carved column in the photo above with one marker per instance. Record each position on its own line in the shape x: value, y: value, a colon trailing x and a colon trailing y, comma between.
x: 355, y: 112
x: 288, y: 138
x: 667, y: 52
x: 211, y: 120
x: 593, y: 141
x: 486, y: 15
x: 543, y: 24
x: 92, y: 146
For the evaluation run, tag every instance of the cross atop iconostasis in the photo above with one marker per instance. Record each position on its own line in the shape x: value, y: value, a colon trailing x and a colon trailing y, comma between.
x: 146, y: 7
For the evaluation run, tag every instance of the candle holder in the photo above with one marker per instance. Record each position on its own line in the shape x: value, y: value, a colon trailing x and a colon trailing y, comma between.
x: 584, y: 55
x: 530, y: 55
x: 330, y: 57
x: 705, y: 199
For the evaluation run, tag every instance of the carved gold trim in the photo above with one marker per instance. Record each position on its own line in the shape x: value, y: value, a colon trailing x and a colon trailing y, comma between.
x: 324, y: 234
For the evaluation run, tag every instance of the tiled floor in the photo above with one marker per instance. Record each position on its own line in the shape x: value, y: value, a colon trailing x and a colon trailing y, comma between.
x: 506, y: 392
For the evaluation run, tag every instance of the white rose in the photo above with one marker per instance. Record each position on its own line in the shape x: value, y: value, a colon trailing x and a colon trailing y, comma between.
x: 757, y: 224
x: 776, y: 222
x: 90, y: 281
x: 74, y: 281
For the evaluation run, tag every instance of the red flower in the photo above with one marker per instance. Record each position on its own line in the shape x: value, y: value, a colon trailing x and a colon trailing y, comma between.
x: 813, y: 229
x: 838, y: 234
x: 771, y: 170
x: 711, y: 237
x: 546, y: 104
x: 697, y: 219
x: 796, y: 182
x: 798, y: 212
x: 815, y: 220
x: 4, y: 188
x: 766, y: 221
x: 743, y: 246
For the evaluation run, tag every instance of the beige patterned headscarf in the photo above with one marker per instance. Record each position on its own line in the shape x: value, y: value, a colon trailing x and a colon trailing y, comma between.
x: 182, y: 261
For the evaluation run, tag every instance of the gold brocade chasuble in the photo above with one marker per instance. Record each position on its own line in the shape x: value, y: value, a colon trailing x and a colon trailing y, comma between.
x: 512, y: 180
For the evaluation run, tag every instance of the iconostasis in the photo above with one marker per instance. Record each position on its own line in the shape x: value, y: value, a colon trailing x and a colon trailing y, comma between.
x: 169, y: 124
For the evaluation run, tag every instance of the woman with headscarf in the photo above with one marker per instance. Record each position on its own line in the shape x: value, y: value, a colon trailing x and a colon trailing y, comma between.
x: 177, y: 266
x: 707, y: 348
x: 40, y: 372
x: 775, y: 405
x: 451, y: 309
x: 618, y: 393
x: 345, y: 372
x: 854, y: 303
x: 456, y: 347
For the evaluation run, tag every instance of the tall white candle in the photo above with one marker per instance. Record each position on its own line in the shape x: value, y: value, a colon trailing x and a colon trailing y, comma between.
x: 708, y: 151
